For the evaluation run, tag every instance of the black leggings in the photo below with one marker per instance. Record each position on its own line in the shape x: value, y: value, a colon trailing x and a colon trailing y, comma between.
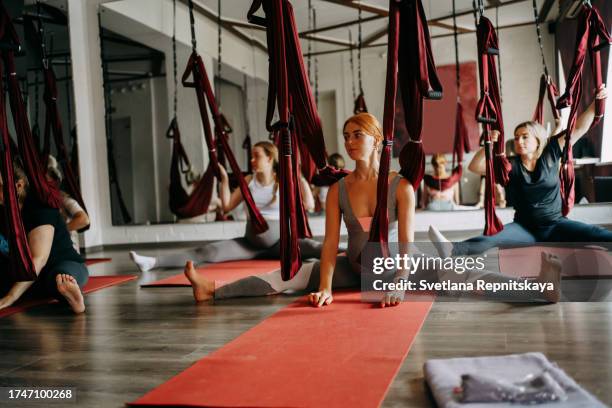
x: 46, y: 285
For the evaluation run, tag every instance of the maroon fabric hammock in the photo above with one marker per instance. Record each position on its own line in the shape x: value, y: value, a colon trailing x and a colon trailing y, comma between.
x: 409, y: 62
x: 442, y: 184
x: 46, y: 192
x: 360, y: 104
x: 304, y: 111
x: 418, y: 80
x: 299, y: 123
x: 547, y: 89
x: 227, y: 130
x: 53, y: 123
x: 21, y: 267
x: 182, y: 204
x: 195, y: 68
x: 591, y: 37
x: 489, y: 113
x: 248, y: 147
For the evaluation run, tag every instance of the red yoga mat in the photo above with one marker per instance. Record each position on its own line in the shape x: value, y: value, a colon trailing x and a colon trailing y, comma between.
x: 95, y: 283
x: 577, y: 263
x: 221, y: 272
x: 93, y: 261
x: 342, y: 355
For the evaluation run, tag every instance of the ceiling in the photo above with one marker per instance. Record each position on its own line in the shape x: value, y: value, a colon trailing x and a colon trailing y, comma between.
x: 332, y: 12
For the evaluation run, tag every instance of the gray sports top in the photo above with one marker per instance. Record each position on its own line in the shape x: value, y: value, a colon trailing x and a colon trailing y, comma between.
x: 357, y: 237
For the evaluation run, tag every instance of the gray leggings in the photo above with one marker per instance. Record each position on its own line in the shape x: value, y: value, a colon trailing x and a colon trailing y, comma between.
x: 251, y: 246
x: 307, y: 280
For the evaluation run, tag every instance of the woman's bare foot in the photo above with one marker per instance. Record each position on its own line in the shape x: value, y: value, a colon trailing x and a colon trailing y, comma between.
x: 203, y: 289
x: 69, y: 289
x: 550, y: 272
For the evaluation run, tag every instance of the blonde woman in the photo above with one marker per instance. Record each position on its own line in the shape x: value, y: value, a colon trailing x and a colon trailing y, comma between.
x: 534, y: 188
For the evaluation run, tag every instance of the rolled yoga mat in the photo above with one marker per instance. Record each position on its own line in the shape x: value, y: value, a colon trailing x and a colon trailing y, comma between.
x: 342, y: 355
x: 93, y: 284
x: 221, y: 272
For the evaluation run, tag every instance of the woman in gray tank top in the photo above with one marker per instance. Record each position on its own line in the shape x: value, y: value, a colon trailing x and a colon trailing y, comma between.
x: 352, y: 199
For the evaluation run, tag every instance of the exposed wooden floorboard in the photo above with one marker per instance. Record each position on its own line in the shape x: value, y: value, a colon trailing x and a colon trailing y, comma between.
x: 133, y: 339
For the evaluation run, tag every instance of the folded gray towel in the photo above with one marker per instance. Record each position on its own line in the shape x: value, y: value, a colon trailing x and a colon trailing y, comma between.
x: 497, y: 372
x: 534, y: 389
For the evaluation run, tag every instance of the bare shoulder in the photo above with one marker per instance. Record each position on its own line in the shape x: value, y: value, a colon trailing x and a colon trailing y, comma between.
x: 333, y: 190
x: 405, y: 189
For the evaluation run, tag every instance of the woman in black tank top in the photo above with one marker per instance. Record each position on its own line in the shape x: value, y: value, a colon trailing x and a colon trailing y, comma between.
x: 534, y: 189
x: 61, y: 270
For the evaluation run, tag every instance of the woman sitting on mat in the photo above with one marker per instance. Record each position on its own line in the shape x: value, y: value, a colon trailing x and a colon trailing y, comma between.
x: 534, y: 188
x: 61, y: 270
x: 73, y: 214
x: 354, y: 199
x: 264, y: 189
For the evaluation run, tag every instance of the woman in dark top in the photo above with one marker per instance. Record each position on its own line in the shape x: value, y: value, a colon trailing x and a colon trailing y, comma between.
x: 60, y: 269
x: 535, y: 191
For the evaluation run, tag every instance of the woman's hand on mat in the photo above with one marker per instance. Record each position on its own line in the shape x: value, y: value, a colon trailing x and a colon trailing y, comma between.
x: 321, y: 298
x: 6, y: 302
x: 393, y: 298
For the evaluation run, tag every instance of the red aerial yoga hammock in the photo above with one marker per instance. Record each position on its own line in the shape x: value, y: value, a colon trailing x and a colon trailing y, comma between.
x: 461, y: 143
x: 181, y: 203
x: 247, y: 146
x: 21, y: 267
x: 547, y: 89
x: 591, y: 37
x: 53, y: 123
x: 47, y: 193
x: 195, y: 68
x: 409, y: 62
x: 290, y: 92
x: 489, y: 113
x: 547, y: 86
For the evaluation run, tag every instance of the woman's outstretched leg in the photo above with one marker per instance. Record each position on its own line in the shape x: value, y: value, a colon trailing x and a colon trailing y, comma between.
x: 307, y: 279
x: 550, y: 272
x: 575, y: 231
x: 231, y: 250
x: 512, y: 234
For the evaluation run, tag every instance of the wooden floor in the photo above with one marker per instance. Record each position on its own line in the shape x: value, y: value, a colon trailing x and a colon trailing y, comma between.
x: 131, y: 339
